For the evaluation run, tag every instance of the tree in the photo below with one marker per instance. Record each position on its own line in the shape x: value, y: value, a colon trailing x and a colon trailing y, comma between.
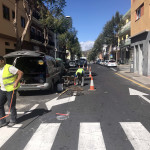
x: 49, y: 9
x: 52, y: 17
x: 28, y: 8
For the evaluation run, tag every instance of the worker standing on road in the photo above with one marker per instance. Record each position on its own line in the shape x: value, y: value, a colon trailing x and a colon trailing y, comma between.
x: 9, y: 83
x: 80, y: 76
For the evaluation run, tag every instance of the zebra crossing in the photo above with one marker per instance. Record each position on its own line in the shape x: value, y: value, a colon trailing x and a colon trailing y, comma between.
x: 91, y: 136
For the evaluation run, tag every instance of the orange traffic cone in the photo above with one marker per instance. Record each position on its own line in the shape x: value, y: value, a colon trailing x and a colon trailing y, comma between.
x: 87, y: 68
x: 92, y: 85
x: 90, y: 74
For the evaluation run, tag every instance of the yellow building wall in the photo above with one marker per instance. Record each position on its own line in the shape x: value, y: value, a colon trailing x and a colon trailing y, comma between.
x: 3, y: 47
x: 143, y: 23
x: 6, y: 26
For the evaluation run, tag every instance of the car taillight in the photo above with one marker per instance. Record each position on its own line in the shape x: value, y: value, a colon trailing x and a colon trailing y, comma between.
x: 47, y: 75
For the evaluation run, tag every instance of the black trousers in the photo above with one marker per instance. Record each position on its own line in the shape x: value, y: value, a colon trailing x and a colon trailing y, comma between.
x: 6, y: 97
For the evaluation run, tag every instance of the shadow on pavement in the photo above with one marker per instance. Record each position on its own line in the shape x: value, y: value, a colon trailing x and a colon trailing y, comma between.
x: 32, y: 116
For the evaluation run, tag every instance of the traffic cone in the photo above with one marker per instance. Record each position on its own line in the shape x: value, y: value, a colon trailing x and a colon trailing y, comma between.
x: 90, y: 74
x: 83, y: 66
x: 87, y: 68
x: 92, y: 85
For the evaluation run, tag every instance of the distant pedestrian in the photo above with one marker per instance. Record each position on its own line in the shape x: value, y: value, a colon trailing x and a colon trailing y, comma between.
x: 9, y: 82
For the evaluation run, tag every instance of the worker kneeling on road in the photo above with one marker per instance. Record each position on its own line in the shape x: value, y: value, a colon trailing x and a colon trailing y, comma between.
x: 79, y: 75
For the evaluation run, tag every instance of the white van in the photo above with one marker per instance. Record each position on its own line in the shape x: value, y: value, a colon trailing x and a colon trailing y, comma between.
x: 40, y: 70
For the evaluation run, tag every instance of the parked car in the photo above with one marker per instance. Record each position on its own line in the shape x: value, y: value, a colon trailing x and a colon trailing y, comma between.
x: 72, y: 63
x: 106, y: 62
x: 40, y: 70
x: 82, y: 62
x: 61, y: 66
x: 98, y: 61
x: 112, y: 63
x: 102, y: 62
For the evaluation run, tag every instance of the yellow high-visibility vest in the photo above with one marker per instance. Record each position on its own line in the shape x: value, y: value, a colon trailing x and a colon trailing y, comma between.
x: 9, y: 79
x: 80, y: 70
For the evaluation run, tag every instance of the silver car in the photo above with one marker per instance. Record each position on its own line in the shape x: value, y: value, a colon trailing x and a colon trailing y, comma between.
x: 40, y: 70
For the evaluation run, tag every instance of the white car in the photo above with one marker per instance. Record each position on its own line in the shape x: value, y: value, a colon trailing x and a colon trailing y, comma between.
x: 111, y: 63
x: 106, y: 62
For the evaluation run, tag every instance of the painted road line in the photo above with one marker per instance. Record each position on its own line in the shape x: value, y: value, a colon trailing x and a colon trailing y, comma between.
x: 140, y: 94
x: 56, y: 102
x: 137, y: 135
x: 32, y: 108
x: 44, y: 137
x: 27, y: 112
x: 133, y: 81
x: 90, y: 137
x: 7, y: 132
x: 113, y: 69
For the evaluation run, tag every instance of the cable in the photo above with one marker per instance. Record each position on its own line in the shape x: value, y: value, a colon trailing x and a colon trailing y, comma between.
x: 9, y: 107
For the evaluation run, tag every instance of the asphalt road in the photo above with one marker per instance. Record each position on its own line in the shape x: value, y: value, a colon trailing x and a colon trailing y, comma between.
x: 108, y: 118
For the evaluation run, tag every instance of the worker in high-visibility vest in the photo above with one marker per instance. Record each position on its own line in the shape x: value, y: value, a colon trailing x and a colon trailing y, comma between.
x: 80, y: 76
x: 9, y: 83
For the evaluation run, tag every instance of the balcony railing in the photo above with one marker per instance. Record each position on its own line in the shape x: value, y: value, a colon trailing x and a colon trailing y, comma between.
x: 125, y: 42
x: 36, y: 37
x: 125, y: 28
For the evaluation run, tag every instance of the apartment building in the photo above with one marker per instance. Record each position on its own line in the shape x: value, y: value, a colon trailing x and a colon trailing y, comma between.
x: 123, y: 39
x: 34, y: 39
x: 140, y: 35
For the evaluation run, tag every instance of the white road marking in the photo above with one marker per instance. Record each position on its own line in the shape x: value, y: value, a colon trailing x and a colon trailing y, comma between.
x: 113, y: 69
x: 91, y: 137
x: 7, y: 132
x: 44, y: 137
x: 137, y: 135
x: 56, y: 102
x: 138, y: 93
x: 27, y: 112
x: 35, y: 106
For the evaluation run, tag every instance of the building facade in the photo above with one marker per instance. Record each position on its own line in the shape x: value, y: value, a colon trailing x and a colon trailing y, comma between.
x: 140, y: 36
x: 34, y: 39
x: 124, y: 40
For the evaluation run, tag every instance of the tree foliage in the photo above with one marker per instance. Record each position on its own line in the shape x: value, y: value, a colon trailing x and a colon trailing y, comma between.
x: 108, y: 35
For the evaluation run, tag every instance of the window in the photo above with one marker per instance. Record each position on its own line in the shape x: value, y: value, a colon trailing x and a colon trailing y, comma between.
x: 32, y: 30
x: 13, y: 15
x: 139, y: 12
x: 23, y: 22
x: 7, y: 43
x: 6, y: 12
x: 38, y: 33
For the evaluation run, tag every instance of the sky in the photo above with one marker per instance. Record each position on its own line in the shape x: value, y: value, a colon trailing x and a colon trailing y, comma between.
x: 90, y: 16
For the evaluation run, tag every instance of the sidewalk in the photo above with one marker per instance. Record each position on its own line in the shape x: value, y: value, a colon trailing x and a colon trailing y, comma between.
x: 125, y: 71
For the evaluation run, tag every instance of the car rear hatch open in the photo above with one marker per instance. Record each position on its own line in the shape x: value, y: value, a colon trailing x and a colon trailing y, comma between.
x: 34, y: 69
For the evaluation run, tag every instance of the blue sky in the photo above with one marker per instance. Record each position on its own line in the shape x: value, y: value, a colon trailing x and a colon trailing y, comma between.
x: 90, y: 16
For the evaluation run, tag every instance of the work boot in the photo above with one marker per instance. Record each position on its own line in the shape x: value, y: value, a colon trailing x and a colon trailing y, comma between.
x: 11, y: 124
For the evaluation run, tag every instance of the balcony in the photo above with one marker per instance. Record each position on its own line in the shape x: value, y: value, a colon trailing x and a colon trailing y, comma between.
x: 125, y: 29
x: 125, y: 42
x: 36, y: 38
